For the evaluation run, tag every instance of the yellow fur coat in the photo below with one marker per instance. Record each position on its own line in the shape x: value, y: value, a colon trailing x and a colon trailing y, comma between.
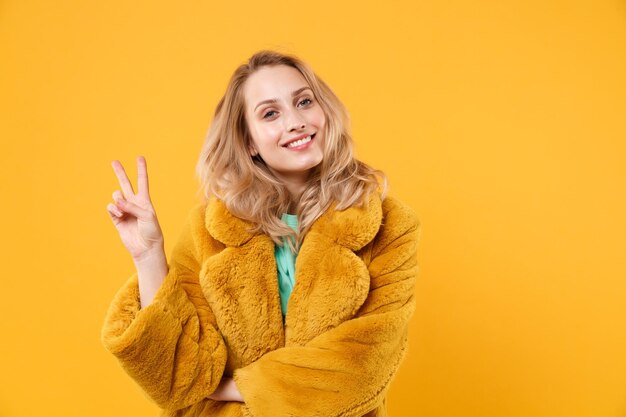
x: 218, y: 314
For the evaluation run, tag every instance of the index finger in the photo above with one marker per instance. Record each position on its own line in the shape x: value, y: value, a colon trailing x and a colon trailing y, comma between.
x: 127, y: 188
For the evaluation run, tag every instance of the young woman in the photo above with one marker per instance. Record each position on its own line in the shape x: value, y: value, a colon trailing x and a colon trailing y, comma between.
x: 290, y: 289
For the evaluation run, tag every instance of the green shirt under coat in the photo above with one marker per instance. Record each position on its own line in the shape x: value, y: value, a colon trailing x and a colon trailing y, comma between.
x: 286, y: 263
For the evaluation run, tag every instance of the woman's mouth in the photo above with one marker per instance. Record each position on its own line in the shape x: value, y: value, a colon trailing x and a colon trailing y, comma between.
x: 301, y: 143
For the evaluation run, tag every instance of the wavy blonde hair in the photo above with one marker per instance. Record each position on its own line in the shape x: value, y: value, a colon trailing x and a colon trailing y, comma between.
x: 248, y: 187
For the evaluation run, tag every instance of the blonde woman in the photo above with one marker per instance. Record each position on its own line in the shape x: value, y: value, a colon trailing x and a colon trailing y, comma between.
x: 290, y: 288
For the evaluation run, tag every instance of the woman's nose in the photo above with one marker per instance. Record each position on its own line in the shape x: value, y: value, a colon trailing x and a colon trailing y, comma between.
x: 294, y: 121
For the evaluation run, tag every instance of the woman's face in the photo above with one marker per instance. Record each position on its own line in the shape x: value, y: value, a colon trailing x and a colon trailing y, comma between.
x: 280, y: 107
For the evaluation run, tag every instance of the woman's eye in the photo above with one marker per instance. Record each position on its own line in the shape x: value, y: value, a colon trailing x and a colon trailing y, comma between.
x: 310, y: 101
x: 265, y: 115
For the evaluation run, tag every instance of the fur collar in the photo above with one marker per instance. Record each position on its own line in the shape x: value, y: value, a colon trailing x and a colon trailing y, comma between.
x: 353, y: 227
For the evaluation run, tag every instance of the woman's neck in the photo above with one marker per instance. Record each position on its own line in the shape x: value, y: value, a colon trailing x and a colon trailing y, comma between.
x: 293, y: 208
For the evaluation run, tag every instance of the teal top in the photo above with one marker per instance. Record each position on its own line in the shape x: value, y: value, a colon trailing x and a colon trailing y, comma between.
x: 286, y: 263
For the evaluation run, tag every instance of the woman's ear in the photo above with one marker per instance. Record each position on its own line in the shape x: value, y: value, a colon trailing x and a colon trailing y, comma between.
x: 253, y: 152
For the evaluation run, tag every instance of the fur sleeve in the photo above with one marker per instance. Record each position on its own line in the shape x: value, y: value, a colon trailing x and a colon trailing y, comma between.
x: 171, y: 348
x: 345, y: 371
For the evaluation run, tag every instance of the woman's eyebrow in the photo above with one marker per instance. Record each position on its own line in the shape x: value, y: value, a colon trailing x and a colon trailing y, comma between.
x: 274, y: 100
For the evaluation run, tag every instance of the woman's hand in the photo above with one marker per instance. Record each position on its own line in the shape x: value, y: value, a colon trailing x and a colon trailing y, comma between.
x: 133, y: 214
x: 226, y: 391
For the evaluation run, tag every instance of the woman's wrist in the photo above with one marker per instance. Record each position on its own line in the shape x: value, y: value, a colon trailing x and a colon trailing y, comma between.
x: 151, y: 271
x: 235, y: 394
x: 226, y: 391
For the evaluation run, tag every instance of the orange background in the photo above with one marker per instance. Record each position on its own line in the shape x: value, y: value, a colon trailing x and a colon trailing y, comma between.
x: 501, y: 123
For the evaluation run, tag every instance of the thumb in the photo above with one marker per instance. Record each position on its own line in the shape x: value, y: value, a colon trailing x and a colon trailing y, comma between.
x: 134, y: 209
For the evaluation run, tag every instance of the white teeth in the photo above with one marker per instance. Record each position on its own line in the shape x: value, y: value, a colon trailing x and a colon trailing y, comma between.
x: 299, y: 142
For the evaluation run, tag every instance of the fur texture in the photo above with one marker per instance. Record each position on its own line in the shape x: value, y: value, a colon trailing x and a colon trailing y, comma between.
x: 218, y: 313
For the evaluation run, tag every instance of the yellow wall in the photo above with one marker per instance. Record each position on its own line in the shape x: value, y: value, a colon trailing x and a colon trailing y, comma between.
x: 502, y: 123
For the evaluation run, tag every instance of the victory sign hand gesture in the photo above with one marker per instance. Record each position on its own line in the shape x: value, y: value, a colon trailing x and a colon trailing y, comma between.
x: 133, y: 214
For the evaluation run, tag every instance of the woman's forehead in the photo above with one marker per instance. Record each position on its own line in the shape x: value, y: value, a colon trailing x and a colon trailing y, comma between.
x: 274, y: 83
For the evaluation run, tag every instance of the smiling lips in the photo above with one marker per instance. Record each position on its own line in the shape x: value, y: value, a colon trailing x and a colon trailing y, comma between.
x: 300, y: 143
